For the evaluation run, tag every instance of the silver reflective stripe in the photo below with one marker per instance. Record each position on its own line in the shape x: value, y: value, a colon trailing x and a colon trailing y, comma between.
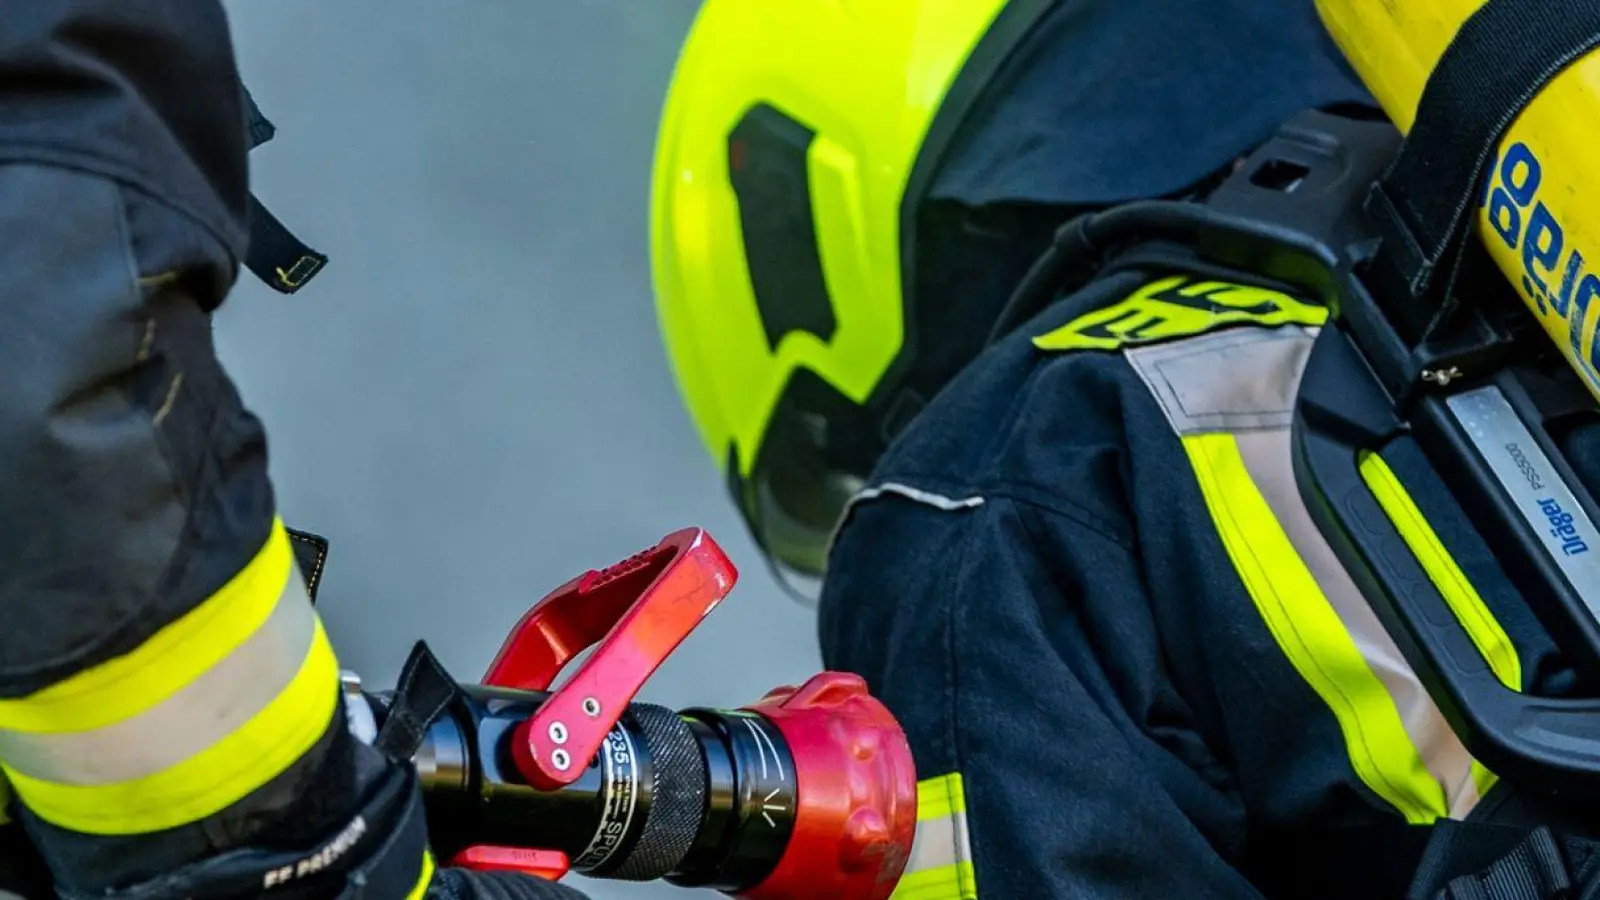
x: 1540, y: 494
x: 1242, y: 379
x: 896, y: 489
x: 1267, y: 457
x: 940, y: 842
x: 1243, y: 382
x: 215, y: 705
x: 927, y: 498
x: 940, y: 864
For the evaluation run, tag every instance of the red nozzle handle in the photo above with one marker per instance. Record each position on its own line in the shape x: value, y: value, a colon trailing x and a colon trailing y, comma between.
x: 638, y: 611
x: 857, y: 789
x: 551, y: 865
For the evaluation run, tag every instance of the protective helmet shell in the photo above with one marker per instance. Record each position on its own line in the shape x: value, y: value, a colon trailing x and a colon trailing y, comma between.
x: 796, y: 142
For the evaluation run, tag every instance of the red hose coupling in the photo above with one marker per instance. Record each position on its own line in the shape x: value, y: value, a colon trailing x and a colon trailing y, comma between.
x: 857, y: 792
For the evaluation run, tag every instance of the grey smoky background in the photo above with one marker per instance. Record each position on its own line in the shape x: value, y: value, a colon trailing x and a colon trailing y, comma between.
x: 472, y: 401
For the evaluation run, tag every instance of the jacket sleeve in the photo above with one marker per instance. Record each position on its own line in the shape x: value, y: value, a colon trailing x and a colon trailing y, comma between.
x: 981, y: 625
x: 170, y: 712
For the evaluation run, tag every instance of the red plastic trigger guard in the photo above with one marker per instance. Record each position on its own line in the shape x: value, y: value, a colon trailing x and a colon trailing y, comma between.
x: 637, y: 611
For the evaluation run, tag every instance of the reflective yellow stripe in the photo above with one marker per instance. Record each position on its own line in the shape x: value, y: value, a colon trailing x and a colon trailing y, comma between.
x: 1268, y: 458
x: 940, y: 867
x: 1243, y: 382
x: 953, y: 882
x: 5, y: 799
x: 204, y: 712
x: 1310, y: 633
x: 179, y: 659
x: 209, y: 781
x: 1479, y: 623
x: 163, y: 665
x: 424, y: 880
x: 1177, y: 307
x: 940, y: 797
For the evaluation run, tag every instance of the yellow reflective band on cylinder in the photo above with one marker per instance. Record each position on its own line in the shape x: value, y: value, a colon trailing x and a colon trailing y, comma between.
x: 940, y: 867
x: 209, y: 709
x: 5, y: 799
x: 1475, y: 618
x: 1310, y: 633
x: 425, y: 879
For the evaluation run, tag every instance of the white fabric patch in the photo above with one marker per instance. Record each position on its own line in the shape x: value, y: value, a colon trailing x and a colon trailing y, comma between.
x: 1242, y: 379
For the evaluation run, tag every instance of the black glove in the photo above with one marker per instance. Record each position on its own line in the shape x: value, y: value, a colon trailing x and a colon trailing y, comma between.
x: 22, y: 870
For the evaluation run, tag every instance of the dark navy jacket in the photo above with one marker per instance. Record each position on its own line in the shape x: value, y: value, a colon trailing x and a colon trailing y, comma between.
x: 1111, y: 100
x: 1036, y: 583
x: 143, y: 93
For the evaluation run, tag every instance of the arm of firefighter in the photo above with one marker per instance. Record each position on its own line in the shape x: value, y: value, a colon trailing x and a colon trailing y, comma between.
x: 1038, y: 777
x: 167, y: 693
x: 170, y: 717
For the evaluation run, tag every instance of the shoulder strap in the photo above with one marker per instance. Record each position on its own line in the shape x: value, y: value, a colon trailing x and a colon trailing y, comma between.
x: 281, y: 260
x: 1503, y: 56
x: 1516, y: 845
x: 1480, y: 861
x: 1449, y: 860
x: 1318, y: 864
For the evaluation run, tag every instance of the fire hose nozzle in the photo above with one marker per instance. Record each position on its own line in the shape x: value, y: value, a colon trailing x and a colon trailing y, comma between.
x: 809, y: 792
x: 857, y: 786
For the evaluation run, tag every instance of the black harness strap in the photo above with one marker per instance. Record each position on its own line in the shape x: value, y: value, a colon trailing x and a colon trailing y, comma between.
x: 1449, y: 860
x: 1514, y: 845
x: 1476, y: 861
x: 1502, y: 57
x: 275, y: 256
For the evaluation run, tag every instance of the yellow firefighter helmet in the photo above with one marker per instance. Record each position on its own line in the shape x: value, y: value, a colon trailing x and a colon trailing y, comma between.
x: 797, y: 141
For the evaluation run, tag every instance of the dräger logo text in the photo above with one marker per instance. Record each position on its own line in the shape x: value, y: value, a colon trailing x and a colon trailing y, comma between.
x: 1525, y: 467
x: 1555, y: 275
x: 1561, y: 528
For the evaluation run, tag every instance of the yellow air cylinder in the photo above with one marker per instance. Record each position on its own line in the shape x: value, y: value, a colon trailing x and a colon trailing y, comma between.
x: 1540, y: 217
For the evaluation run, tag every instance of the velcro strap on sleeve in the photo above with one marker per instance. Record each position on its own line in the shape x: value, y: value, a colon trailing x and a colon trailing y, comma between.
x: 311, y: 552
x: 261, y: 129
x: 282, y: 261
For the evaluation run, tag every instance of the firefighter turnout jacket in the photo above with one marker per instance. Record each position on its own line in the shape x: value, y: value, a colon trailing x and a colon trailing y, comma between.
x: 1129, y: 663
